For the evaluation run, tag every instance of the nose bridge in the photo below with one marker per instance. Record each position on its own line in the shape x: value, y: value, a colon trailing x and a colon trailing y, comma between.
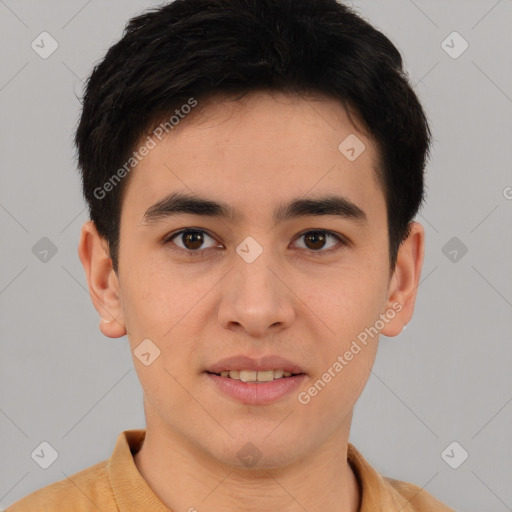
x: 253, y: 297
x: 252, y: 274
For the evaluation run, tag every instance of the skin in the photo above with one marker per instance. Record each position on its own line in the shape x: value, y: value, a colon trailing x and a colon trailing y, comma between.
x: 262, y: 150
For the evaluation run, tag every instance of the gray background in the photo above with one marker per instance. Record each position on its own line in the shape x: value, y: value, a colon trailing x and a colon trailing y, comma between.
x: 445, y: 378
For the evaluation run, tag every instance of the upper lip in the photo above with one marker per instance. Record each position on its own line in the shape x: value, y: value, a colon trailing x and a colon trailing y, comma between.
x: 241, y: 362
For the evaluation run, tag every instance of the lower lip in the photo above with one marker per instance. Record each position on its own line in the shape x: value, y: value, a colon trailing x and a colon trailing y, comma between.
x: 257, y: 393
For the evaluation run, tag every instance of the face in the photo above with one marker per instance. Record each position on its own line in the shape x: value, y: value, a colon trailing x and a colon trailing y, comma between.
x: 302, y: 283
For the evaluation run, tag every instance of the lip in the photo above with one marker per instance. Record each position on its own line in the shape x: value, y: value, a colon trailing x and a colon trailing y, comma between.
x: 256, y: 393
x: 242, y: 362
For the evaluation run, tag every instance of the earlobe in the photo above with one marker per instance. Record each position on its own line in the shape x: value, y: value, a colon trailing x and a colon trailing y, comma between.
x: 102, y: 281
x: 405, y: 281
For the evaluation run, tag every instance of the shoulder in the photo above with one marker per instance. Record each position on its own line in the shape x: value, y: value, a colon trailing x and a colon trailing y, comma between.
x: 415, y: 499
x: 387, y: 494
x: 83, y: 491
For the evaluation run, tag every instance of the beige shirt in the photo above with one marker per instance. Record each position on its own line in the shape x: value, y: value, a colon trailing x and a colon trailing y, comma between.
x: 115, y: 485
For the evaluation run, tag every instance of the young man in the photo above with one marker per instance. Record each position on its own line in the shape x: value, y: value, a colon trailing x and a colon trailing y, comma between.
x: 252, y: 169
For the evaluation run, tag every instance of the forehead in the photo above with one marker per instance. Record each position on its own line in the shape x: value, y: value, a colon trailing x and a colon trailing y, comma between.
x: 259, y: 149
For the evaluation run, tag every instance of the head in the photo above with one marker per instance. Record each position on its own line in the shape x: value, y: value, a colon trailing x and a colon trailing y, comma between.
x: 232, y: 117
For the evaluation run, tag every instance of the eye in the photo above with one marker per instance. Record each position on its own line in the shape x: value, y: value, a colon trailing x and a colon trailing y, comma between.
x: 191, y: 240
x: 316, y: 240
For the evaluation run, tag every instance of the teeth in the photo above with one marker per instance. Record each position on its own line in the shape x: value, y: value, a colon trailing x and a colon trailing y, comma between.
x: 253, y: 376
x: 265, y: 376
x: 248, y: 376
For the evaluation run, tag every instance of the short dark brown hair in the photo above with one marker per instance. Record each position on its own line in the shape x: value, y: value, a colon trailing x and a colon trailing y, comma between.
x: 202, y: 48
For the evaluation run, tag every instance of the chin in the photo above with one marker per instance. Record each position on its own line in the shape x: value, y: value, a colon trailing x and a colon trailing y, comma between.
x: 258, y: 449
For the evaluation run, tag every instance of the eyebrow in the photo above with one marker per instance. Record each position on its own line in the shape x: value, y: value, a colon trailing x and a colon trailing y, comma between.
x: 179, y: 203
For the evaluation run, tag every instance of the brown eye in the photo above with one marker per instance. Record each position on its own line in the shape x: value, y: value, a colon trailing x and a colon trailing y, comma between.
x: 192, y: 240
x: 317, y: 240
x: 314, y: 240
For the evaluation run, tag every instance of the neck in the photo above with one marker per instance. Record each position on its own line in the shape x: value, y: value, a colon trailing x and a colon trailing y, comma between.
x: 186, y: 478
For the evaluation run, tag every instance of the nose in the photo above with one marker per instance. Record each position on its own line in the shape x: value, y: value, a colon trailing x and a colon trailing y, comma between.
x: 255, y: 298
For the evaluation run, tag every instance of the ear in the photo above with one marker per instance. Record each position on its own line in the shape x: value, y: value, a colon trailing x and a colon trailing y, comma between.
x: 404, y: 282
x: 102, y: 280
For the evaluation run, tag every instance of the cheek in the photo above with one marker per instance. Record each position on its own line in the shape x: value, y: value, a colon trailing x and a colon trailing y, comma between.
x: 347, y: 300
x: 155, y: 298
x: 171, y: 310
x: 348, y: 308
x: 344, y: 364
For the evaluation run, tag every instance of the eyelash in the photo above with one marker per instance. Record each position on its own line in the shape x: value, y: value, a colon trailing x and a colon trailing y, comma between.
x: 168, y: 239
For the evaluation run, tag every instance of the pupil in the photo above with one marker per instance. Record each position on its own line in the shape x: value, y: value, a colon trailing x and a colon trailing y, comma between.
x: 318, y: 240
x: 193, y: 237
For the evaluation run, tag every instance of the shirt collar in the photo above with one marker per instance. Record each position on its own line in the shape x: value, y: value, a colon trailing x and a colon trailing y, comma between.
x: 131, y: 491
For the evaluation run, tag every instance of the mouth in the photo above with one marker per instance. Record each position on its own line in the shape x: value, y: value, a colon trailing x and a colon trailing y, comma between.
x: 256, y: 376
x: 251, y: 387
x: 256, y: 380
